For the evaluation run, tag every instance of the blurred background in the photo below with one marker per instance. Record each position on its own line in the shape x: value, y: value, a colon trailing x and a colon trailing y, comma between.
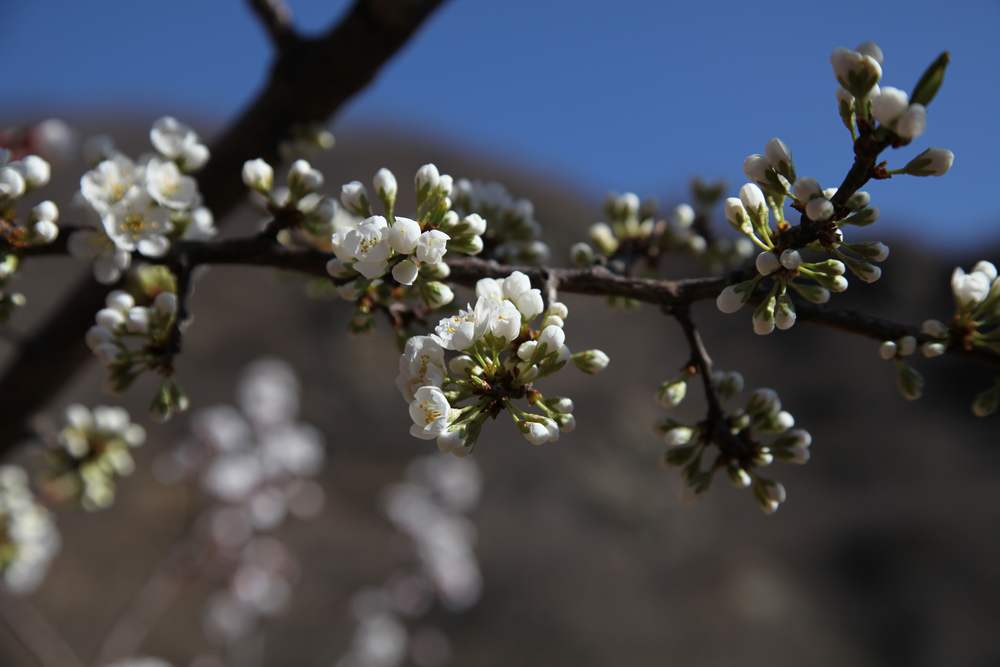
x: 886, y: 552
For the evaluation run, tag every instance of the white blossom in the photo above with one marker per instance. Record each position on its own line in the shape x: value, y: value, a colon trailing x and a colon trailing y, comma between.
x: 405, y: 272
x: 912, y: 123
x: 403, y: 235
x: 431, y: 246
x: 137, y: 223
x: 169, y: 187
x: 889, y: 105
x: 970, y: 289
x: 429, y: 411
x: 177, y: 142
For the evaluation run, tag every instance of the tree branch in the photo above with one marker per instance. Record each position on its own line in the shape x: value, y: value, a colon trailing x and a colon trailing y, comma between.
x: 276, y: 20
x: 309, y: 82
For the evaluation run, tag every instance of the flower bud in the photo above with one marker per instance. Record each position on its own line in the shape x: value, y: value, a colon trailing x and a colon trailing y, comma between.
x: 986, y: 402
x: 303, y: 179
x: 819, y: 209
x: 36, y: 171
x: 912, y: 123
x: 46, y: 210
x: 887, y: 350
x: 165, y: 303
x: 677, y: 436
x: 791, y: 259
x: 780, y: 158
x: 46, y: 231
x: 385, y: 186
x: 672, y: 392
x: 909, y: 381
x: 935, y: 328
x: 591, y: 361
x: 763, y: 317
x: 805, y: 189
x: 12, y: 183
x: 931, y: 162
x: 405, y: 272
x: 737, y: 215
x: 581, y: 255
x: 889, y: 105
x: 437, y: 294
x: 258, y: 175
x: 856, y: 72
x: 733, y: 297
x: 354, y: 197
x: 767, y: 263
x: 603, y: 238
x: 683, y: 216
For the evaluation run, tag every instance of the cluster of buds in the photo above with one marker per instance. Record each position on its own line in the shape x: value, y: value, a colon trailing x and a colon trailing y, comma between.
x: 900, y: 118
x: 774, y: 179
x: 638, y: 232
x: 513, y: 235
x: 909, y: 381
x: 142, y: 206
x: 410, y: 250
x: 28, y: 536
x: 783, y: 265
x: 17, y: 179
x: 747, y: 439
x: 86, y: 458
x: 130, y: 337
x: 431, y: 507
x: 500, y: 356
x: 975, y: 324
x: 306, y: 140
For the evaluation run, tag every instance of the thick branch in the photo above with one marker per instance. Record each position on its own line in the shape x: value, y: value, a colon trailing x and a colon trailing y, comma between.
x: 308, y: 83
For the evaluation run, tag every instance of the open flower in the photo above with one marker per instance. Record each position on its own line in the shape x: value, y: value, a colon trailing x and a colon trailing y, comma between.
x: 137, y: 223
x: 169, y: 187
x: 429, y: 412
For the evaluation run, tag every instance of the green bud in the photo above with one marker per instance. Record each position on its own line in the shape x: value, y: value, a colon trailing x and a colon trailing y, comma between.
x: 909, y: 381
x: 987, y: 402
x: 930, y: 81
x: 591, y: 361
x: 672, y: 392
x: 582, y: 255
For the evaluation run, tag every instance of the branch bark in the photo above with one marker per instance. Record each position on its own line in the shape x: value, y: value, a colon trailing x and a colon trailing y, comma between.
x: 309, y: 82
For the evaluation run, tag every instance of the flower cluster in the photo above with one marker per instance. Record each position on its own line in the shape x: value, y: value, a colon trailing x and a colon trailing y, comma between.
x: 28, y: 537
x: 499, y: 357
x: 975, y: 324
x: 130, y: 337
x: 257, y: 462
x: 86, y: 458
x: 431, y: 508
x: 861, y: 104
x: 639, y: 233
x: 747, y: 439
x: 17, y: 179
x: 783, y: 265
x: 411, y: 250
x: 513, y: 235
x: 824, y: 215
x: 142, y: 206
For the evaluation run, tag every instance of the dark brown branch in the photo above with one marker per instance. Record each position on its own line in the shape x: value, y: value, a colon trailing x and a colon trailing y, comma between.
x: 309, y: 82
x: 276, y: 21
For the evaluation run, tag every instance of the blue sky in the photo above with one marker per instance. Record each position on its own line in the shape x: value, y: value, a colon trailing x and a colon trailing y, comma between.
x: 632, y: 94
